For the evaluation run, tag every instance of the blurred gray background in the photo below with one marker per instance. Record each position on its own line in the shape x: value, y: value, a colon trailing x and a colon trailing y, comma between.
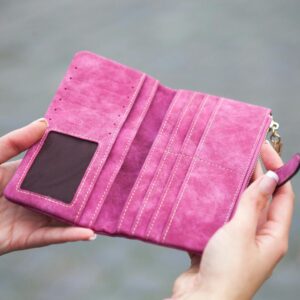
x: 246, y: 50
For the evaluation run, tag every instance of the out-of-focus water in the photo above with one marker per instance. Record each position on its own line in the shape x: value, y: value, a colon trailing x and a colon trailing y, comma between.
x: 247, y: 50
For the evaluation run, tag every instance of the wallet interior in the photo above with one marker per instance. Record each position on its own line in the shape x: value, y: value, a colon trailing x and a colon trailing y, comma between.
x: 125, y: 155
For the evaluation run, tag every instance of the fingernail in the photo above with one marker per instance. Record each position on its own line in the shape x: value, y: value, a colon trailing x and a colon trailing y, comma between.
x: 268, y: 183
x: 44, y: 120
x: 93, y: 237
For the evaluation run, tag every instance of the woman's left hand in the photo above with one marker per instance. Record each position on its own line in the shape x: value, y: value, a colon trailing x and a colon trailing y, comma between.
x: 21, y: 228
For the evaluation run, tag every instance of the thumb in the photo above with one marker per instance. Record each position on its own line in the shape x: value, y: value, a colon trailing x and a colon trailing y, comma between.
x: 253, y: 201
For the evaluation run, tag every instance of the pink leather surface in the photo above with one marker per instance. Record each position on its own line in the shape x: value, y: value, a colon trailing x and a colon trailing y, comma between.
x: 170, y: 164
x: 288, y: 170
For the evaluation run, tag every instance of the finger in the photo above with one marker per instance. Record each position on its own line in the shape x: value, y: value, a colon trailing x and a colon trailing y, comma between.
x: 55, y: 235
x: 17, y: 141
x: 6, y: 172
x: 253, y: 200
x: 263, y: 216
x: 282, y: 205
x: 258, y: 171
x: 270, y: 157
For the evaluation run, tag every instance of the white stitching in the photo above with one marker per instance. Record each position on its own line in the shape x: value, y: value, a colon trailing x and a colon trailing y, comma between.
x: 161, y: 164
x: 148, y: 159
x: 211, y: 121
x: 124, y: 152
x: 177, y: 163
x: 203, y: 160
x: 111, y: 140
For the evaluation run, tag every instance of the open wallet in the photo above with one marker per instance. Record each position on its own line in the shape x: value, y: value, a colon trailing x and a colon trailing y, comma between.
x: 127, y: 156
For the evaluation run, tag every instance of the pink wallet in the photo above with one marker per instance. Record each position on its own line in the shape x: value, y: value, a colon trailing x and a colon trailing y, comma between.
x: 127, y: 156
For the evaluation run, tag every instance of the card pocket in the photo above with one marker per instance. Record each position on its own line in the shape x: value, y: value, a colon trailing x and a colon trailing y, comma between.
x: 180, y: 167
x: 107, y: 219
x: 200, y: 207
x: 59, y: 166
x: 215, y: 178
x: 86, y: 113
x: 136, y: 200
x: 167, y: 163
x: 119, y: 152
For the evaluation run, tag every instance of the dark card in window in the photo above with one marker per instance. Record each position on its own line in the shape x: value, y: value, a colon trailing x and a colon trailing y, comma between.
x: 59, y: 166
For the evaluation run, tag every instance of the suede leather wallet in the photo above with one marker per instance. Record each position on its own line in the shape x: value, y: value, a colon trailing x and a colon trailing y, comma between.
x: 127, y: 156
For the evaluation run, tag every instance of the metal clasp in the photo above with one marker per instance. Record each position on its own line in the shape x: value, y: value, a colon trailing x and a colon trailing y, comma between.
x: 275, y: 137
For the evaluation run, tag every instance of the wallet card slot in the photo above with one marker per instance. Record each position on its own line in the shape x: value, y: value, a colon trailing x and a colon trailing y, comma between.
x: 225, y: 176
x: 119, y: 151
x: 177, y: 179
x: 174, y: 205
x: 237, y: 124
x: 109, y: 214
x: 202, y: 206
x: 151, y: 162
x: 165, y: 165
x: 176, y: 175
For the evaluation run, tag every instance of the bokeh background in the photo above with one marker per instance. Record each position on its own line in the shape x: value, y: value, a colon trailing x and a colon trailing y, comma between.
x: 246, y: 50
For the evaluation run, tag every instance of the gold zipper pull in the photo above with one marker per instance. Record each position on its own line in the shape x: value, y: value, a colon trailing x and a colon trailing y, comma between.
x: 275, y: 137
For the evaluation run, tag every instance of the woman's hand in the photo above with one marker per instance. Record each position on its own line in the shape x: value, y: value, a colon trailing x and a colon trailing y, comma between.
x: 21, y: 228
x: 243, y: 253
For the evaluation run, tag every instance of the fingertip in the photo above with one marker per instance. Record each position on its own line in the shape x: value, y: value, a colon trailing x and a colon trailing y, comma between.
x: 267, y: 185
x: 31, y: 133
x: 41, y: 124
x: 73, y: 234
x: 41, y: 121
x: 18, y: 140
x: 86, y: 234
x: 93, y: 237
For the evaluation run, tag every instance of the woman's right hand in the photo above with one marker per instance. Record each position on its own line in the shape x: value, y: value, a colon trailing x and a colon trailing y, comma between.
x: 243, y: 253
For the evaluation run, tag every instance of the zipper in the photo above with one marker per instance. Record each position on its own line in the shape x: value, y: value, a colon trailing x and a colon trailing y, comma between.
x: 275, y: 140
x: 275, y: 137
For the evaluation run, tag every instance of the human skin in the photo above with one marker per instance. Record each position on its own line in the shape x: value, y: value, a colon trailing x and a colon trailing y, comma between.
x: 21, y: 228
x: 243, y: 253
